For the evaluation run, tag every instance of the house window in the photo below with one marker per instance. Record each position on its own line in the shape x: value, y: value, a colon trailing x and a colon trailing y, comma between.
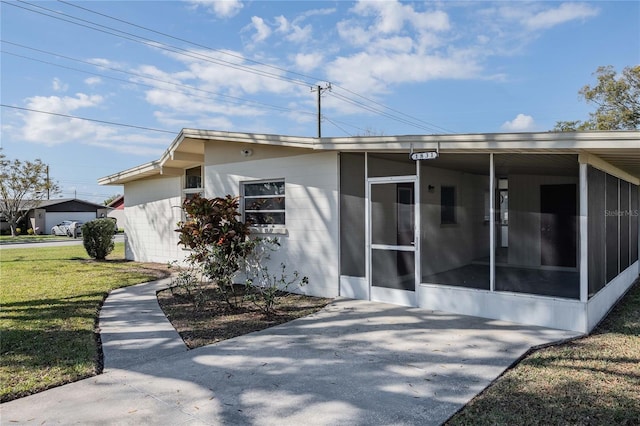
x: 263, y: 202
x: 193, y: 178
x: 448, y: 205
x: 192, y: 185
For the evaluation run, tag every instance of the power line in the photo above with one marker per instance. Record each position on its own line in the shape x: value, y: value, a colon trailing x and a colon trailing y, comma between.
x: 431, y: 125
x: 394, y: 110
x: 409, y: 120
x: 237, y: 100
x: 112, y: 123
x: 189, y: 41
x: 154, y: 43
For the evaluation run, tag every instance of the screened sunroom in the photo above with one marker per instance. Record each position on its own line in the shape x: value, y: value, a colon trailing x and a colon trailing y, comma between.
x: 499, y: 235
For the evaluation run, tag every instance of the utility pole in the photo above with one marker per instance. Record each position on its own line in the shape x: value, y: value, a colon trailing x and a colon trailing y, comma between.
x: 320, y: 91
x: 48, y: 183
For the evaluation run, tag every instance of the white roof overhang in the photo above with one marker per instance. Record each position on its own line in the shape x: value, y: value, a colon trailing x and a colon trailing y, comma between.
x: 621, y: 149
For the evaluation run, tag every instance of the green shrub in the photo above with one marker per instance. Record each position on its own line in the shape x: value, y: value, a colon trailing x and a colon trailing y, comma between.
x: 18, y: 231
x: 30, y: 231
x: 217, y: 240
x: 97, y: 237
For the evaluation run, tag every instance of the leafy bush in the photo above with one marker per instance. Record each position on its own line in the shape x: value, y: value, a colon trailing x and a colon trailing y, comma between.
x: 30, y: 231
x: 217, y: 239
x: 188, y: 281
x: 18, y: 231
x: 220, y: 249
x: 97, y: 237
x: 267, y: 288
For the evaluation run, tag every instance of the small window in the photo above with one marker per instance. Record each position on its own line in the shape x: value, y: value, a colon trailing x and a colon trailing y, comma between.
x: 193, y: 178
x: 448, y: 205
x: 264, y: 202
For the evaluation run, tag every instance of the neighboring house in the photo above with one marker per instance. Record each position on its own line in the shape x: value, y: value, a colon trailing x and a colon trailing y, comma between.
x: 116, y: 210
x: 52, y: 212
x: 537, y: 228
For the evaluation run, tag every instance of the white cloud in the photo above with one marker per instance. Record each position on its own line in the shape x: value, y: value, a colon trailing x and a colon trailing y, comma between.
x: 263, y: 31
x: 290, y: 29
x: 368, y: 72
x: 52, y: 130
x: 308, y: 62
x: 220, y: 8
x: 92, y: 81
x: 522, y: 123
x: 299, y: 34
x: 391, y: 16
x: 59, y: 86
x: 564, y: 13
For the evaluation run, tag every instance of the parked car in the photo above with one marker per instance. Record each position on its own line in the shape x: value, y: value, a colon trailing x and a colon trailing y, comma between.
x: 75, y: 229
x: 62, y: 228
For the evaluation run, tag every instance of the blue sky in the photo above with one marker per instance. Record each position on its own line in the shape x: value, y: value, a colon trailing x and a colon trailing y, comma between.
x: 248, y: 66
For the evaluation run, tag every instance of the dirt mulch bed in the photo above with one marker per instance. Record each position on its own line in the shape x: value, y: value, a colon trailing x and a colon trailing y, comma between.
x: 214, y: 321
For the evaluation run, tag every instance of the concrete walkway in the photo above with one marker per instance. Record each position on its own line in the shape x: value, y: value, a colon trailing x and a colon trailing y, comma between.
x: 354, y: 363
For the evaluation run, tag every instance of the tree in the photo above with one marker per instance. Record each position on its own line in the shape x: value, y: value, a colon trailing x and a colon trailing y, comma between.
x: 110, y: 199
x: 23, y: 185
x: 617, y: 99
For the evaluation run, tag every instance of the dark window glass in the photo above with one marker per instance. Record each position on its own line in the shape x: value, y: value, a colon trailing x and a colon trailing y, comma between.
x: 264, y: 203
x: 448, y: 205
x: 193, y: 178
x: 611, y: 227
x: 263, y: 188
x: 352, y: 214
x: 271, y: 218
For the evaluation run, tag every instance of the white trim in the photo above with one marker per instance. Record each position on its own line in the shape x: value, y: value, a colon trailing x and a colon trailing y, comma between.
x: 277, y: 228
x: 382, y: 294
x: 605, y: 299
x: 391, y: 179
x: 583, y: 226
x: 544, y: 311
x: 416, y: 237
x: 600, y: 164
x: 492, y: 224
x: 354, y: 287
x: 393, y: 296
x: 367, y: 224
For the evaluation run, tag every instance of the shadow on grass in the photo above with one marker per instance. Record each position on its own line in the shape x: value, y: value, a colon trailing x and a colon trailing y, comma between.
x: 567, y: 402
x: 80, y: 306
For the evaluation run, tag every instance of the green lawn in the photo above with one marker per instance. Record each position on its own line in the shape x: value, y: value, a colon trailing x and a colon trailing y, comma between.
x: 8, y: 239
x: 50, y: 298
x: 594, y: 380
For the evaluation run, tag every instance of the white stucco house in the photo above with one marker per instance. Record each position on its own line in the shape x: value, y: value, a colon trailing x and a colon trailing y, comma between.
x: 536, y: 228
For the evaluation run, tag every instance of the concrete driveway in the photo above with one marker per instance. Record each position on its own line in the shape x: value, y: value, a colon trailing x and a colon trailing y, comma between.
x: 354, y: 363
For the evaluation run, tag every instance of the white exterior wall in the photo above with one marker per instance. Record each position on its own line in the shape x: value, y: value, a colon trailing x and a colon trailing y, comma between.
x: 118, y: 215
x: 310, y: 243
x: 151, y: 215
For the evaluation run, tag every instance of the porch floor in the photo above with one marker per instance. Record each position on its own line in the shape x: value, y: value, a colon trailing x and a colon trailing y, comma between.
x: 519, y: 280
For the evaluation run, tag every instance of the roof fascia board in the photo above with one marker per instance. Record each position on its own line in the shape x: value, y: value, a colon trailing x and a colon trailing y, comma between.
x: 488, y: 142
x: 252, y: 138
x: 133, y: 173
x: 600, y: 164
x: 187, y: 156
x: 171, y: 171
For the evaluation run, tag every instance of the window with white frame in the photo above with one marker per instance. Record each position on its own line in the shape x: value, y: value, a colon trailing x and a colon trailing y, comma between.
x: 263, y: 202
x: 193, y: 178
x: 192, y: 184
